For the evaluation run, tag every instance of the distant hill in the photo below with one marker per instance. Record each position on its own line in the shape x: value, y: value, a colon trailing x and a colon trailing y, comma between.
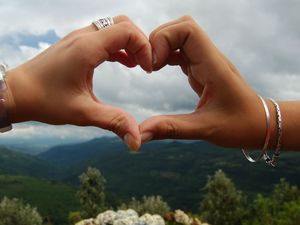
x: 72, y: 154
x: 53, y: 200
x: 176, y: 170
x: 26, y: 149
x: 16, y: 163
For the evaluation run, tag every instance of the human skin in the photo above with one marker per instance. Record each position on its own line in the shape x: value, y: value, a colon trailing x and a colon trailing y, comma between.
x: 56, y: 87
x: 229, y: 112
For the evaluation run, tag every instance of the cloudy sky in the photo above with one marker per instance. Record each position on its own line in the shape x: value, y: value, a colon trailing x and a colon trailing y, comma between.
x: 261, y: 37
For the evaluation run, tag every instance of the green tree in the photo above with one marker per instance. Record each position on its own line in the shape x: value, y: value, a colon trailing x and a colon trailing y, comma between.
x: 14, y: 211
x: 260, y: 212
x: 151, y: 204
x: 222, y: 204
x: 281, y: 208
x: 289, y: 215
x: 74, y: 217
x: 285, y: 192
x: 91, y: 193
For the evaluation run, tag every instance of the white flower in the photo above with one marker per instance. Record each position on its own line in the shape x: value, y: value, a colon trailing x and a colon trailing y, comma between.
x: 86, y: 222
x: 198, y: 222
x: 126, y: 214
x: 106, y: 218
x: 152, y: 220
x: 124, y: 217
x: 128, y: 221
x: 181, y: 217
x: 110, y: 217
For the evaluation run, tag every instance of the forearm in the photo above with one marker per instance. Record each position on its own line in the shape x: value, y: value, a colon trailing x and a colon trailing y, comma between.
x: 290, y: 111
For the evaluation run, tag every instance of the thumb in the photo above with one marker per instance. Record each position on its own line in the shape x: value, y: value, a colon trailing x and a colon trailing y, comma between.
x: 118, y: 121
x: 185, y: 126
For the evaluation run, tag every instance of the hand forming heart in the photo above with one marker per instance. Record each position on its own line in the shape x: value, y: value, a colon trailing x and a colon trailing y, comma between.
x: 56, y: 86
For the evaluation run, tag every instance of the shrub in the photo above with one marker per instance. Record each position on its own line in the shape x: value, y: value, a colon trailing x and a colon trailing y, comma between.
x: 152, y: 205
x: 14, y: 211
x: 74, y: 217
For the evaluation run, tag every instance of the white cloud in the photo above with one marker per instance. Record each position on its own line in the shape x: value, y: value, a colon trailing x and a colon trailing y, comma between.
x: 33, y: 135
x: 27, y: 130
x: 29, y: 52
x: 260, y: 36
x: 15, y: 55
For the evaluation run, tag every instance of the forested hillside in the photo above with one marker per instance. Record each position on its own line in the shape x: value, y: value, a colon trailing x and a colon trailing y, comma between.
x: 177, y: 171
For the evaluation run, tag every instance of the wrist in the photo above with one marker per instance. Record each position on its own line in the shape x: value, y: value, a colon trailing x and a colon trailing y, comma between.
x: 261, y: 133
x: 257, y: 126
x: 11, y: 107
x: 5, y: 124
x: 270, y: 136
x: 16, y: 112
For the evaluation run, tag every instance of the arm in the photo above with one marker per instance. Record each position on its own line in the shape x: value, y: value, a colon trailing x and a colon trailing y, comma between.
x: 229, y: 112
x: 56, y: 87
x: 291, y: 125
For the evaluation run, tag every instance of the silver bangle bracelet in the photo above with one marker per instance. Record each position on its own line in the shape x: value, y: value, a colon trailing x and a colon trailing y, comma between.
x: 263, y: 153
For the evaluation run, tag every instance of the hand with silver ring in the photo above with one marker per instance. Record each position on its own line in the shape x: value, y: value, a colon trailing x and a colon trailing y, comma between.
x: 56, y: 86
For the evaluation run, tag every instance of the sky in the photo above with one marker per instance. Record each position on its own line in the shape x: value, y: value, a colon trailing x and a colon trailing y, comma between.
x: 261, y: 37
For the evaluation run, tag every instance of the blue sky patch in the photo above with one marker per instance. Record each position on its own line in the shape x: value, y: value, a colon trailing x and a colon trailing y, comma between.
x: 32, y: 40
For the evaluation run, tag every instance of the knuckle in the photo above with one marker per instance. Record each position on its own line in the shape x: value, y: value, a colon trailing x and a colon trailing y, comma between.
x: 78, y: 43
x: 167, y: 129
x: 80, y: 50
x: 124, y: 18
x: 129, y: 31
x: 71, y: 35
x: 127, y: 26
x: 159, y: 36
x: 187, y: 18
x: 190, y: 26
x: 153, y: 36
x: 117, y: 124
x: 189, y: 22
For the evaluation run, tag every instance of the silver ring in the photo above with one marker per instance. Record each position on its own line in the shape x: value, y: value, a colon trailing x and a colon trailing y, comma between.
x: 104, y: 22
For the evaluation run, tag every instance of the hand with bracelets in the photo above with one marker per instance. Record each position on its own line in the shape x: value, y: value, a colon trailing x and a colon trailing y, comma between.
x: 229, y: 113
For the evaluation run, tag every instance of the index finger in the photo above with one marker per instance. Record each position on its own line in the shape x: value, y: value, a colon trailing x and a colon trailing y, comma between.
x: 124, y: 35
x: 184, y: 34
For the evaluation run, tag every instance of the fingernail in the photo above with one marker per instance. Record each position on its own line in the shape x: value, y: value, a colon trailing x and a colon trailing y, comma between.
x: 131, y: 142
x: 154, y: 57
x: 146, y: 137
x: 134, y: 152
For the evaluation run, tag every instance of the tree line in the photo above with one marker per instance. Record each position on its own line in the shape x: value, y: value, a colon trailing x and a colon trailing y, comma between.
x: 222, y: 204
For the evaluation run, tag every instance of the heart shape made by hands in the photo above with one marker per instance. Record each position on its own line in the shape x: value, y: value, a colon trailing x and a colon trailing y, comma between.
x: 217, y: 117
x: 63, y: 85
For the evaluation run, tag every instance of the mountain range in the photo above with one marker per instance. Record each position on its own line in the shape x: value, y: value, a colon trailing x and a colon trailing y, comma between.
x: 173, y: 169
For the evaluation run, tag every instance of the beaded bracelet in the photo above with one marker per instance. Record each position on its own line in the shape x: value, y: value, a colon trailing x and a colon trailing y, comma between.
x: 267, y: 139
x: 5, y: 125
x: 275, y: 156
